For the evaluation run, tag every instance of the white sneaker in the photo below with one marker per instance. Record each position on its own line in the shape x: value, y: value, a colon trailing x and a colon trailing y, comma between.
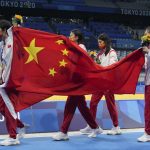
x: 60, y: 137
x: 86, y: 130
x: 94, y: 132
x: 9, y: 141
x: 22, y: 131
x: 114, y: 131
x: 144, y: 138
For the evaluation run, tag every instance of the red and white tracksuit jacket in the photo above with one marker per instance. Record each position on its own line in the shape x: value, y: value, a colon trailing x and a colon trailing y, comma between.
x: 7, y: 107
x: 107, y: 60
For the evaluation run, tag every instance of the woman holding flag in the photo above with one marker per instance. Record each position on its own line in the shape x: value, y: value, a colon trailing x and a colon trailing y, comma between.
x: 146, y: 48
x: 77, y: 101
x: 106, y: 57
x: 6, y: 105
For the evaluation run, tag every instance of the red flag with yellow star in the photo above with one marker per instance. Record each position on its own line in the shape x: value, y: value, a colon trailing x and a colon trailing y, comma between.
x: 51, y: 64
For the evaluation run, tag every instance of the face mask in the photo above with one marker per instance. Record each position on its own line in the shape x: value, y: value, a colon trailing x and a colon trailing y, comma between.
x: 102, y: 46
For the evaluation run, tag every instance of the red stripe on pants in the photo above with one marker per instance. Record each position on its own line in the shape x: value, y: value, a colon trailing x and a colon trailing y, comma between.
x: 147, y: 109
x: 110, y: 101
x: 71, y: 104
x: 11, y: 123
x: 19, y: 100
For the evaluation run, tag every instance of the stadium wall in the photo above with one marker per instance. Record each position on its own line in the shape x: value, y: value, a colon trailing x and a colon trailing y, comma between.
x: 47, y: 116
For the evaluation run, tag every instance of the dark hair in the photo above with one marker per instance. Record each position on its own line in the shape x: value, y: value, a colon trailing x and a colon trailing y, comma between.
x: 5, y: 24
x: 104, y: 37
x: 79, y: 34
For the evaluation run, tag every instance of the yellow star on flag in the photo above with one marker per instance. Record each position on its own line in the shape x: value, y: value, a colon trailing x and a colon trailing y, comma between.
x: 62, y: 63
x: 52, y: 72
x: 33, y: 51
x: 60, y: 42
x: 65, y: 52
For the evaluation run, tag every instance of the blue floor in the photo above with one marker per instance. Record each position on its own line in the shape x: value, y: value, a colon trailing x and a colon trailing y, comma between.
x: 126, y: 141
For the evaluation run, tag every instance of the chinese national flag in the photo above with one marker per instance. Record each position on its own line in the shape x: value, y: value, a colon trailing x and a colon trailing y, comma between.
x: 49, y: 64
